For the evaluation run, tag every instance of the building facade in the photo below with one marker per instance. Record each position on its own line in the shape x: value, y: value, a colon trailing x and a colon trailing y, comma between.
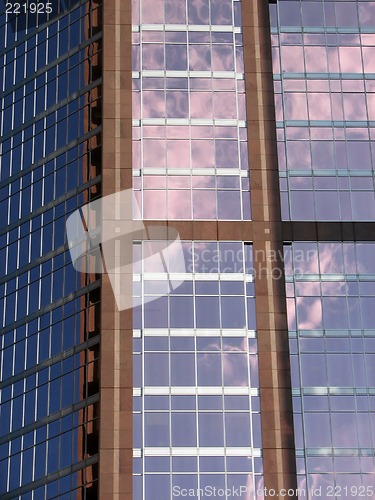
x: 248, y: 127
x: 50, y: 166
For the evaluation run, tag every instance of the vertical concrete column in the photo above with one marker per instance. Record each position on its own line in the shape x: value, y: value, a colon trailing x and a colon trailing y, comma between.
x: 274, y: 365
x: 116, y: 379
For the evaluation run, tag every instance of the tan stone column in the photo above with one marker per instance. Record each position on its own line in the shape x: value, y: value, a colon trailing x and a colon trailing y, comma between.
x: 116, y: 378
x: 274, y: 366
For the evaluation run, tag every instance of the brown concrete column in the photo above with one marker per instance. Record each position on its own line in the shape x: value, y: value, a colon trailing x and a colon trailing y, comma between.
x: 116, y: 380
x: 274, y: 366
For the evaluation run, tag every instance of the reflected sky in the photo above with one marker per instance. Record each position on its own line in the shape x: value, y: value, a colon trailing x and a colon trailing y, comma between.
x: 196, y: 370
x: 331, y: 299
x: 324, y: 99
x: 191, y: 121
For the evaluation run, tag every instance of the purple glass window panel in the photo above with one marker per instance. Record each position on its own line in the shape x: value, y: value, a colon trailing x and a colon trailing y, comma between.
x: 157, y: 486
x: 206, y: 257
x: 210, y: 428
x: 203, y: 153
x: 289, y: 13
x: 347, y: 464
x: 232, y: 288
x: 315, y: 403
x: 233, y: 312
x: 337, y: 345
x: 156, y: 369
x: 211, y: 464
x: 235, y: 369
x: 305, y: 258
x: 254, y: 373
x: 226, y: 153
x: 231, y: 257
x: 156, y: 344
x: 179, y: 204
x: 359, y: 156
x: 221, y: 11
x: 154, y: 153
x: 184, y: 431
x: 292, y: 59
x: 364, y: 432
x: 204, y: 204
x: 182, y: 369
x: 350, y: 59
x: 157, y: 464
x: 246, y: 210
x: 327, y: 205
x: 313, y: 370
x: 201, y: 105
x: 225, y: 105
x: 366, y: 14
x: 346, y: 14
x: 155, y: 204
x: 298, y: 155
x: 199, y: 58
x: 335, y: 313
x: 302, y: 205
x: 354, y: 107
x: 155, y: 287
x: 322, y: 154
x: 309, y: 313
x: 342, y: 403
x: 298, y: 431
x: 182, y: 343
x: 176, y: 57
x: 365, y: 258
x: 210, y: 403
x: 211, y: 481
x: 344, y: 430
x: 153, y: 104
x: 363, y: 203
x: 295, y: 106
x: 239, y: 464
x: 236, y: 402
x: 222, y: 58
x: 156, y: 313
x: 178, y: 156
x: 209, y: 369
x: 229, y: 205
x: 184, y: 464
x: 175, y: 12
x: 237, y: 429
x: 156, y: 402
x: 251, y: 316
x: 208, y: 344
x: 183, y: 403
x: 312, y: 14
x: 206, y: 288
x: 291, y: 313
x: 339, y: 368
x: 198, y: 11
x: 156, y: 429
x: 319, y: 106
x: 177, y: 104
x: 370, y: 369
x: 317, y: 430
x: 152, y: 56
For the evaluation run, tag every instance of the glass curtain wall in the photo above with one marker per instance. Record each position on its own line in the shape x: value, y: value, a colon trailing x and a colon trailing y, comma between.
x: 196, y: 397
x: 325, y: 108
x: 50, y: 145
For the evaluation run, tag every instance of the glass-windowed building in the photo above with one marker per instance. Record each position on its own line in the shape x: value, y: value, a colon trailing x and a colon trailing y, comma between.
x: 248, y: 127
x: 50, y: 149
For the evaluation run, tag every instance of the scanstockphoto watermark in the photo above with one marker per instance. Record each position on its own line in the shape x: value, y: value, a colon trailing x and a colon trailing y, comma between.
x: 236, y: 492
x: 101, y: 235
x: 256, y: 262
